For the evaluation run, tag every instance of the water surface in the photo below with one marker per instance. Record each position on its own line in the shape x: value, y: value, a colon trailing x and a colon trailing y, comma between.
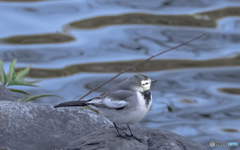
x: 75, y: 45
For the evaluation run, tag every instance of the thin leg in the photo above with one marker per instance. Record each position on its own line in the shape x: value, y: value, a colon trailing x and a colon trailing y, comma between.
x: 126, y: 137
x: 129, y: 130
x: 116, y: 129
x: 131, y: 135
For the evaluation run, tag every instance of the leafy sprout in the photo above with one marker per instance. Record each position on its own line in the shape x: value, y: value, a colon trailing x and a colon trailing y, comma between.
x: 14, y: 78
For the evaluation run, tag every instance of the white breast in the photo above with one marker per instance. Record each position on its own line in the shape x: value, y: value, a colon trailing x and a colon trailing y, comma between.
x: 142, y: 108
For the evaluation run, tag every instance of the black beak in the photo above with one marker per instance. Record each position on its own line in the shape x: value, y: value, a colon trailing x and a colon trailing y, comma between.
x: 154, y: 81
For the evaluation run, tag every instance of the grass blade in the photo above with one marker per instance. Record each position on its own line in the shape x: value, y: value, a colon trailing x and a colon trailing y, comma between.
x: 22, y: 73
x: 17, y: 82
x: 32, y: 97
x: 3, y: 75
x: 12, y: 70
x: 18, y: 91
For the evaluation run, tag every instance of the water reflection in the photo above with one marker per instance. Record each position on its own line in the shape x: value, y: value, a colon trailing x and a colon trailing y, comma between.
x: 76, y: 45
x: 38, y: 39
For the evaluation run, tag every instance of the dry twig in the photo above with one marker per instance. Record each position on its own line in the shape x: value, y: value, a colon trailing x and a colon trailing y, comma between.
x: 131, y: 67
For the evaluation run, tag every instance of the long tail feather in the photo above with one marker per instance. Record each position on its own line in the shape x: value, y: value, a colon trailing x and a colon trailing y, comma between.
x: 71, y: 104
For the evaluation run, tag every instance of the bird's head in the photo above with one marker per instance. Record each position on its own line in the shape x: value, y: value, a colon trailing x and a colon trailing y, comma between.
x: 140, y: 82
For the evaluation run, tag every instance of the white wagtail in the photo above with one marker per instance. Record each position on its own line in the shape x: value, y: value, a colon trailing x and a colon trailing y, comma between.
x: 125, y: 103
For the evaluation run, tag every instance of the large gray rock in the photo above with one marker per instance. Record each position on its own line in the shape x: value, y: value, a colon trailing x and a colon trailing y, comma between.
x: 31, y: 126
x: 151, y: 139
x: 27, y: 126
x: 6, y: 94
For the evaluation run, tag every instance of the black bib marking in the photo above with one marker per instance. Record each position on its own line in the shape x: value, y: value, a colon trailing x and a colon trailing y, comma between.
x: 147, y: 97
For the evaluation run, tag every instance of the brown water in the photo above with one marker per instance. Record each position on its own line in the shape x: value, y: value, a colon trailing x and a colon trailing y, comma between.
x: 77, y: 44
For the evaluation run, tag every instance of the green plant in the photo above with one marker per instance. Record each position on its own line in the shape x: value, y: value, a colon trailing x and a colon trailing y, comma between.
x: 14, y: 78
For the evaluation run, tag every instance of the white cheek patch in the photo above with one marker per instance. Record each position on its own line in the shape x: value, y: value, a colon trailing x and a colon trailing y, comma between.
x: 146, y: 84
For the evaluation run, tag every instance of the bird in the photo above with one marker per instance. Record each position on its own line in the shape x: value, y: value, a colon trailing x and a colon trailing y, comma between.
x: 125, y: 103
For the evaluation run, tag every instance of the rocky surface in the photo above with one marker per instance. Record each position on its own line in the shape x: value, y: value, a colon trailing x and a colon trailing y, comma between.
x: 151, y: 139
x: 6, y: 94
x: 30, y: 126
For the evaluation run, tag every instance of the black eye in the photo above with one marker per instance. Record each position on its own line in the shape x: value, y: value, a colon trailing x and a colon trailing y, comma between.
x: 146, y: 83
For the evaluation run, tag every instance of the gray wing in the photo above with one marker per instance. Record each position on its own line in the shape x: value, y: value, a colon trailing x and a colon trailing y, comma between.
x: 116, y: 99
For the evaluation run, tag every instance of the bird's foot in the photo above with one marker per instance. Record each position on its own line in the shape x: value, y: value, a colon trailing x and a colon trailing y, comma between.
x: 124, y: 137
x: 127, y: 134
x: 134, y: 137
x: 128, y: 137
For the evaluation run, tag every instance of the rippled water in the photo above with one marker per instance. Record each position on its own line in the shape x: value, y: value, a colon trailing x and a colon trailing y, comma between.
x: 77, y: 44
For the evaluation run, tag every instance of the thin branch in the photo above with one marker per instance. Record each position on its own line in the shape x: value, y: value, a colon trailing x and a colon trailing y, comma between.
x: 131, y: 67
